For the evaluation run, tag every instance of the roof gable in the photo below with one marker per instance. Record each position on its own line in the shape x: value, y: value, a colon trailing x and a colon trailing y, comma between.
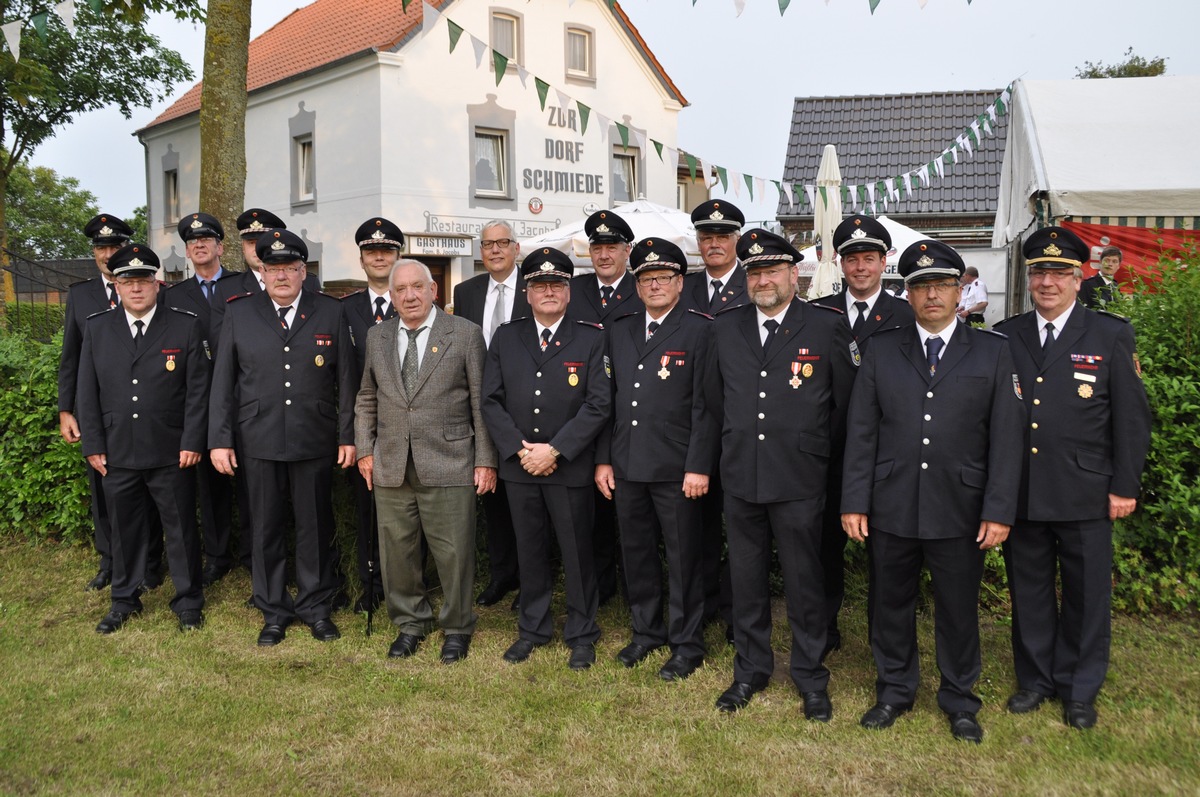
x: 884, y: 136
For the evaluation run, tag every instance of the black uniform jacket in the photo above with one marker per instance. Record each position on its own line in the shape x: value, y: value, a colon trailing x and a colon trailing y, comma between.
x: 1091, y: 414
x: 290, y: 392
x: 697, y: 284
x: 84, y: 299
x: 360, y: 315
x: 188, y: 295
x: 239, y: 283
x: 141, y: 408
x: 585, y: 299
x: 562, y: 396
x: 470, y: 297
x: 663, y: 426
x: 930, y: 457
x: 888, y: 313
x: 776, y: 438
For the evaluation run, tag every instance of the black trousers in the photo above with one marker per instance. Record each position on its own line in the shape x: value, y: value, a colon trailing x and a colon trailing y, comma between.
x: 795, y: 527
x: 605, y: 549
x: 833, y: 555
x: 367, y: 536
x: 216, y: 513
x: 718, y: 595
x: 956, y: 567
x: 309, y: 484
x: 539, y: 511
x: 138, y: 501
x: 1061, y: 649
x: 649, y: 512
x: 103, y: 526
x: 501, y: 539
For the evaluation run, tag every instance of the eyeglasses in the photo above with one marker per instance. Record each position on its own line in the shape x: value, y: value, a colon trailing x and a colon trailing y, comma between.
x: 547, y: 287
x: 499, y: 243
x: 1053, y: 274
x: 279, y: 271
x: 139, y: 281
x: 710, y: 237
x: 661, y: 279
x: 939, y: 288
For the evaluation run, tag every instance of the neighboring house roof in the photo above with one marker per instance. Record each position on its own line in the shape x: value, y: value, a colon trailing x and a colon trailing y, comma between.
x: 884, y: 136
x: 328, y: 32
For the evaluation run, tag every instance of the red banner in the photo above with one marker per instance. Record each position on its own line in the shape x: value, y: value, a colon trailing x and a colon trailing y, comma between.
x: 1141, y: 247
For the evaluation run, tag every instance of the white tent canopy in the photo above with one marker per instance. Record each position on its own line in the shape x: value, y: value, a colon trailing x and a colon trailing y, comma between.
x: 1106, y: 147
x: 644, y: 217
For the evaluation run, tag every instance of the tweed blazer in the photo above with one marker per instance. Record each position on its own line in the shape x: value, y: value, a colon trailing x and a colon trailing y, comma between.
x: 441, y: 422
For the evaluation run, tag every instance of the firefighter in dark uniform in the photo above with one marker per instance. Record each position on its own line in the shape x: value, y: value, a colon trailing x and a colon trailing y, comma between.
x: 785, y: 369
x: 379, y: 242
x: 203, y: 235
x: 1086, y: 438
x: 721, y: 284
x: 546, y: 397
x: 85, y: 298
x: 862, y: 244
x: 656, y: 459
x: 932, y: 466
x: 601, y: 298
x: 143, y: 391
x: 284, y: 379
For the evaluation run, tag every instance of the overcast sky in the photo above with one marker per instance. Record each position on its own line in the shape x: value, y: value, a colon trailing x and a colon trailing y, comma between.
x: 741, y: 74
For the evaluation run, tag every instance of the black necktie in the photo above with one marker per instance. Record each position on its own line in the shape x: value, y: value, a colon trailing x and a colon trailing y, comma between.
x: 650, y: 329
x: 113, y: 301
x: 137, y: 336
x: 716, y: 294
x: 605, y: 294
x: 206, y: 287
x: 933, y: 347
x: 771, y: 324
x: 1049, y: 341
x: 545, y: 338
x: 283, y: 311
x: 379, y: 309
x: 856, y: 327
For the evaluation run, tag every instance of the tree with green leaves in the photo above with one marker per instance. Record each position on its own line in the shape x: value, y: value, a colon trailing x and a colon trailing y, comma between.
x: 111, y: 60
x: 45, y: 212
x: 1132, y: 66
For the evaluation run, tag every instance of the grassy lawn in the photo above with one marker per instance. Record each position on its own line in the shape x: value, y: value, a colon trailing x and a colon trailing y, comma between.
x: 152, y: 711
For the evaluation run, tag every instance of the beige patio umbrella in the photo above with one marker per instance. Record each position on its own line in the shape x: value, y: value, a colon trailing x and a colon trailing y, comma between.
x: 826, y: 217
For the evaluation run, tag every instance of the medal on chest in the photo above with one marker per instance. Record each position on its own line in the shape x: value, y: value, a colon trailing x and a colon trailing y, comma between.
x: 795, y: 381
x: 663, y: 373
x: 170, y: 362
x: 572, y: 377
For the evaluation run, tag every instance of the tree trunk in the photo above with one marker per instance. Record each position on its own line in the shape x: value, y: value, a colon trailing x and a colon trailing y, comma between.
x: 223, y: 119
x: 9, y: 294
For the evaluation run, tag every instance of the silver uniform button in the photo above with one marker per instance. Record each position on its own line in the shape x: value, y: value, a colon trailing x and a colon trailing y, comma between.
x: 929, y: 394
x: 762, y: 437
x: 762, y: 373
x: 135, y: 381
x: 924, y: 466
x: 929, y: 417
x: 288, y: 402
x: 633, y: 423
x: 135, y: 416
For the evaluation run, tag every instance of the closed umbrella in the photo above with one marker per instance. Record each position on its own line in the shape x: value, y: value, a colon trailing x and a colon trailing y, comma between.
x: 826, y: 217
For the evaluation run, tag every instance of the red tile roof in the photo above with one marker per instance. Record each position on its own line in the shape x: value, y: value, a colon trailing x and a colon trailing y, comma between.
x: 329, y: 31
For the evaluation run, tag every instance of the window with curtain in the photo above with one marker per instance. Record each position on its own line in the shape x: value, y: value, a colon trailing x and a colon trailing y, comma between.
x: 491, y: 178
x: 579, y: 52
x: 624, y: 175
x: 506, y: 35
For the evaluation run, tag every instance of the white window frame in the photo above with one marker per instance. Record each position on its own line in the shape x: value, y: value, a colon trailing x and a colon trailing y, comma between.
x: 306, y: 171
x: 171, y: 196
x: 632, y: 155
x: 518, y: 45
x: 502, y: 176
x: 587, y: 75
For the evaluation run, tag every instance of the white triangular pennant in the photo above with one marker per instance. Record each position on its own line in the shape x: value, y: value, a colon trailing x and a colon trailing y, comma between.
x: 706, y: 170
x: 740, y: 5
x: 564, y: 101
x: 890, y: 184
x: 639, y: 138
x: 923, y: 174
x: 66, y: 10
x: 480, y: 49
x: 975, y: 130
x: 431, y: 18
x: 987, y: 128
x: 787, y: 189
x: 853, y: 189
x: 12, y: 35
x: 954, y: 154
x: 736, y: 179
x: 965, y: 143
x: 908, y: 183
x: 871, y: 195
x: 937, y: 167
x: 760, y: 186
x: 603, y: 122
x: 671, y: 156
x: 991, y: 112
x: 811, y: 192
x: 523, y: 74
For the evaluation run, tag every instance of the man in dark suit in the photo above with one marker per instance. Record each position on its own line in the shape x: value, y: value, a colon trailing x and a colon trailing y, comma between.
x: 547, y: 395
x: 655, y: 460
x: 932, y: 464
x: 784, y: 370
x: 490, y: 300
x: 379, y: 241
x: 203, y: 238
x: 284, y: 379
x: 600, y: 298
x: 1086, y: 440
x: 862, y: 244
x: 718, y: 286
x: 143, y: 388
x: 1101, y: 288
x: 425, y: 451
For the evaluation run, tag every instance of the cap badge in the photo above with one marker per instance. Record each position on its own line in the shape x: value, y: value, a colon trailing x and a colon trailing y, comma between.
x: 716, y: 215
x: 136, y: 262
x: 377, y: 235
x: 256, y: 225
x: 756, y: 249
x: 106, y: 230
x: 925, y: 262
x: 603, y: 228
x: 650, y: 258
x: 196, y: 223
x: 1052, y: 251
x: 278, y: 245
x: 858, y: 233
x: 547, y: 266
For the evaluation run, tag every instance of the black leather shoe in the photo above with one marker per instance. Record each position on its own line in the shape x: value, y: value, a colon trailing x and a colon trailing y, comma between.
x: 154, y: 578
x: 582, y: 657
x: 271, y: 635
x: 679, y: 667
x: 737, y: 696
x: 1025, y: 701
x: 965, y: 727
x: 519, y: 651
x: 817, y: 706
x: 102, y: 580
x: 363, y: 605
x: 325, y: 630
x: 1079, y: 716
x: 405, y: 646
x: 633, y: 653
x: 494, y: 592
x: 882, y: 715
x: 212, y: 574
x: 191, y: 620
x: 455, y: 648
x: 341, y: 600
x: 113, y: 621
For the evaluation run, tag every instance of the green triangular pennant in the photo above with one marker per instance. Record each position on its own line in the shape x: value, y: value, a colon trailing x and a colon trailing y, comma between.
x: 658, y: 147
x: 691, y: 162
x: 543, y: 88
x: 874, y: 5
x: 39, y: 23
x: 824, y: 195
x: 623, y: 131
x: 1000, y: 107
x: 97, y: 5
x: 404, y: 5
x: 723, y: 175
x: 455, y: 32
x: 749, y: 185
x: 584, y: 113
x: 783, y: 4
x: 845, y: 196
x: 500, y: 61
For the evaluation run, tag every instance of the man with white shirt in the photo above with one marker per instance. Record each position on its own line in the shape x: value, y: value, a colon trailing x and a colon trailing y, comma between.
x: 932, y: 464
x: 974, y: 297
x: 1087, y: 432
x: 490, y: 300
